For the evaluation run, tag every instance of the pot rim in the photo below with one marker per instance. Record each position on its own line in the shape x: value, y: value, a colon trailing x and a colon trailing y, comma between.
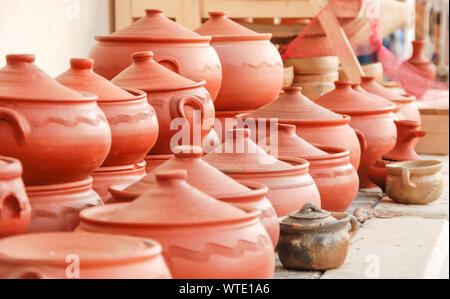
x: 432, y: 166
x: 12, y: 169
x: 337, y: 153
x: 326, y: 122
x: 385, y: 110
x: 88, y: 97
x: 64, y: 187
x: 303, y: 164
x: 137, y: 93
x: 158, y: 157
x: 196, y: 84
x: 117, y: 38
x: 241, y: 38
x: 108, y: 170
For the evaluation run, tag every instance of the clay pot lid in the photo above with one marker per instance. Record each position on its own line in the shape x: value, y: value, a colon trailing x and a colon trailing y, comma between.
x: 154, y: 26
x: 81, y: 77
x: 239, y: 153
x: 9, y: 168
x: 369, y: 84
x: 54, y: 247
x: 200, y: 174
x: 173, y: 201
x: 344, y: 99
x: 308, y: 215
x: 293, y: 106
x: 148, y: 75
x: 221, y: 28
x: 20, y: 78
x: 290, y: 144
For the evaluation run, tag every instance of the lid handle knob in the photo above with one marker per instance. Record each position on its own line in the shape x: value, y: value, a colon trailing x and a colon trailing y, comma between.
x: 143, y: 56
x: 28, y: 58
x: 82, y: 63
x: 170, y: 175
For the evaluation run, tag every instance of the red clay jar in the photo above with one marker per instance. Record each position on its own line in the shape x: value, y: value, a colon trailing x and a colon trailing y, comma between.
x: 202, y: 238
x: 172, y: 96
x: 287, y: 178
x: 53, y: 145
x: 15, y: 210
x: 314, y: 123
x: 56, y: 207
x: 330, y: 167
x: 211, y: 181
x: 252, y: 69
x: 426, y: 68
x: 175, y: 47
x: 373, y: 119
x: 84, y: 256
x: 133, y: 123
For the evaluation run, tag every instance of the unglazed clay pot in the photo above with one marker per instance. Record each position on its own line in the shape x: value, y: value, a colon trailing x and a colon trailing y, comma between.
x: 121, y: 176
x: 201, y: 236
x: 426, y: 68
x: 330, y: 167
x: 371, y: 118
x: 287, y: 178
x: 84, y: 256
x: 173, y: 97
x: 53, y: 145
x: 133, y: 123
x: 211, y: 181
x: 314, y: 123
x: 175, y: 47
x: 252, y: 70
x: 314, y: 239
x: 15, y: 210
x: 56, y: 207
x: 414, y: 182
x: 407, y: 134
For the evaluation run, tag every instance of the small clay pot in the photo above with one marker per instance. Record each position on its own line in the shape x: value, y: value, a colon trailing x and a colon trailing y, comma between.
x: 414, y: 182
x: 15, y: 210
x: 314, y: 239
x: 56, y: 207
x: 425, y: 67
x: 84, y: 256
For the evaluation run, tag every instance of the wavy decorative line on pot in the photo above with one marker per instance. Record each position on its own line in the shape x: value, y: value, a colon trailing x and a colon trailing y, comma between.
x: 100, y: 118
x: 127, y: 118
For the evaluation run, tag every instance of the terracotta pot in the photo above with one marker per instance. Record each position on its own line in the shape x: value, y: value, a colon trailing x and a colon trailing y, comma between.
x: 133, y: 123
x: 325, y: 77
x: 314, y: 123
x: 314, y: 239
x: 394, y: 86
x: 15, y: 210
x: 414, y: 182
x: 287, y: 178
x: 426, y: 68
x: 313, y: 90
x: 228, y: 120
x: 211, y: 181
x: 252, y: 69
x: 173, y: 97
x: 314, y: 65
x: 374, y: 70
x: 85, y: 256
x: 201, y: 236
x: 121, y: 176
x: 54, y: 146
x: 56, y: 207
x: 154, y: 161
x: 175, y: 47
x: 330, y: 167
x: 373, y: 119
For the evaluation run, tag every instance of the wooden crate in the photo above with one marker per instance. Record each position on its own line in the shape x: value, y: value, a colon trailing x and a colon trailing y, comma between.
x: 435, y: 122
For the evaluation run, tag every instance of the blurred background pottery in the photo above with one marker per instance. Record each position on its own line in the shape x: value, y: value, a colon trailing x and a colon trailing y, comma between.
x: 176, y: 47
x: 15, y: 210
x: 426, y: 68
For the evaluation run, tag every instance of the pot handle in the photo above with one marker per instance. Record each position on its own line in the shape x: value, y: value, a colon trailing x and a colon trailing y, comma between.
x: 406, y: 178
x: 18, y: 122
x: 22, y: 207
x: 362, y: 139
x: 177, y: 106
x: 354, y: 226
x: 170, y: 63
x: 27, y: 273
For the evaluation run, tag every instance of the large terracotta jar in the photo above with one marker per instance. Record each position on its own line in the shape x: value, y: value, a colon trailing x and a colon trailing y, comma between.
x: 425, y: 67
x: 175, y: 47
x: 202, y: 238
x: 206, y: 178
x: 15, y: 210
x: 330, y: 167
x: 314, y: 123
x: 84, y: 256
x: 173, y: 97
x: 58, y: 134
x: 57, y: 207
x: 252, y: 69
x: 287, y: 178
x: 373, y: 119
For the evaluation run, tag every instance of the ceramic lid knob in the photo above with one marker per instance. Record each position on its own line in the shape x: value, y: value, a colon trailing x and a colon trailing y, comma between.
x: 82, y: 63
x: 171, y: 175
x: 309, y: 214
x: 291, y: 129
x: 188, y: 151
x: 292, y: 89
x: 343, y: 84
x: 217, y: 14
x: 143, y: 56
x: 153, y: 12
x: 27, y: 58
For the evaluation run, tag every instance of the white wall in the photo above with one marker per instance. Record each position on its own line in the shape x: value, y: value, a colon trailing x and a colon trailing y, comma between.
x: 54, y: 30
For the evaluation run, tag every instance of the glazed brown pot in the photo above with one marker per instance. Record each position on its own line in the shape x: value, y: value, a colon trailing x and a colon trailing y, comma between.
x: 314, y: 239
x: 133, y: 123
x: 173, y: 97
x: 426, y: 68
x: 54, y: 146
x: 252, y: 70
x: 201, y: 236
x: 56, y: 207
x: 287, y: 178
x: 84, y: 256
x: 175, y: 47
x: 15, y: 210
x: 371, y: 118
